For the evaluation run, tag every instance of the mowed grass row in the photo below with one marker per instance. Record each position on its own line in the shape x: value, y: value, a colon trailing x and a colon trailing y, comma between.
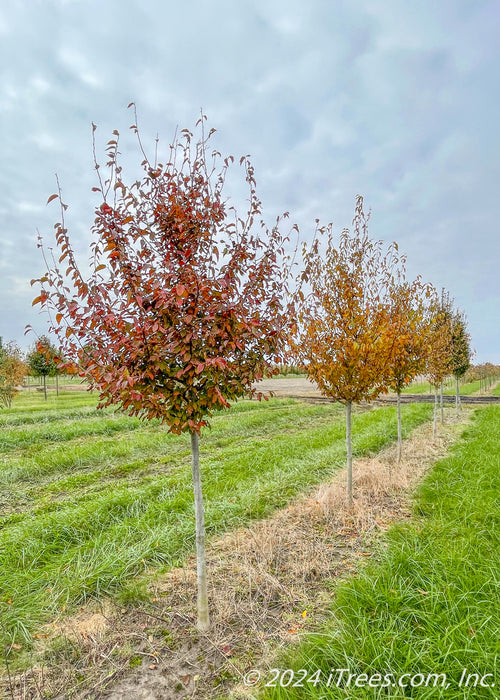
x: 432, y: 604
x: 83, y: 512
x: 425, y: 388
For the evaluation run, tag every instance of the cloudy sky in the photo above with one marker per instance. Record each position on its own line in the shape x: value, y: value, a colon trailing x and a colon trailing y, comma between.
x: 394, y: 100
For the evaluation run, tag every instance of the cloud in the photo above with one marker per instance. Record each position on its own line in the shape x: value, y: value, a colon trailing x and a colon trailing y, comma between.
x: 388, y: 99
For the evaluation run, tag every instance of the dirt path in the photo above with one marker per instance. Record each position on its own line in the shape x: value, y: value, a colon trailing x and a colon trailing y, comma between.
x: 302, y: 388
x: 269, y: 584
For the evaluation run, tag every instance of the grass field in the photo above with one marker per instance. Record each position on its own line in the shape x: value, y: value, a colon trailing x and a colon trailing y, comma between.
x: 449, y: 388
x: 91, y: 499
x: 431, y: 605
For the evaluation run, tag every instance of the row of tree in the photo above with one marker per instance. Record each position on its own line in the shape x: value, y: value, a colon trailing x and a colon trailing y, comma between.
x: 41, y: 360
x: 188, y: 304
x: 364, y: 329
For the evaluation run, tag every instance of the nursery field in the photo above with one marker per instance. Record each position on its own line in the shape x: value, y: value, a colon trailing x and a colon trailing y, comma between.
x: 96, y: 505
x: 91, y: 499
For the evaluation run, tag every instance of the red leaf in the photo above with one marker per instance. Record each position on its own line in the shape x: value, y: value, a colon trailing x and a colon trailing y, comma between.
x: 52, y: 197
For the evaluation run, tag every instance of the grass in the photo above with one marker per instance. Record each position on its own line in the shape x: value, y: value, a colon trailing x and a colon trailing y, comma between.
x: 449, y: 388
x: 89, y: 500
x: 431, y: 604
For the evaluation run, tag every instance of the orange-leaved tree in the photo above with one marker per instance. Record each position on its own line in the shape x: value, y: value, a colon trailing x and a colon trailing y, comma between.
x: 410, y: 304
x: 186, y: 302
x: 438, y: 364
x: 346, y: 329
x: 13, y: 369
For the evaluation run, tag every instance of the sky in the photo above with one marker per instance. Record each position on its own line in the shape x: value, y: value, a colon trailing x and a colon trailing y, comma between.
x: 397, y: 101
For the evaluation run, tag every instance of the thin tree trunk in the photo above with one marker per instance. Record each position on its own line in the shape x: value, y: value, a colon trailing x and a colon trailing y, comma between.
x: 457, y: 397
x: 57, y: 385
x: 45, y: 386
x: 348, y: 441
x: 434, y: 425
x: 201, y: 560
x: 441, y: 403
x: 400, y: 432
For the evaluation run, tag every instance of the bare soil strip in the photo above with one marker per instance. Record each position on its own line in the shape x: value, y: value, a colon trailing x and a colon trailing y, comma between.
x: 304, y: 390
x: 270, y: 583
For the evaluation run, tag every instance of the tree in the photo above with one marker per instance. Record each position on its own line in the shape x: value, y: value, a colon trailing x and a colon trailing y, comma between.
x: 346, y: 328
x: 411, y: 341
x: 438, y: 360
x: 12, y: 372
x: 42, y: 360
x: 186, y: 304
x: 460, y: 350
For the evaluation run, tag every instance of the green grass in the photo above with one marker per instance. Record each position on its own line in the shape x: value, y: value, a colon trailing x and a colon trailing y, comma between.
x: 89, y: 501
x: 465, y: 389
x: 431, y: 604
x: 418, y: 388
x: 449, y: 388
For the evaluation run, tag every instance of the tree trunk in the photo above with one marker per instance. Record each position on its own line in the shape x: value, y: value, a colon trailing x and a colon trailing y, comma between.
x: 441, y: 403
x: 457, y: 397
x: 201, y: 560
x: 435, y: 412
x: 348, y: 441
x: 45, y: 386
x: 57, y: 385
x: 400, y: 432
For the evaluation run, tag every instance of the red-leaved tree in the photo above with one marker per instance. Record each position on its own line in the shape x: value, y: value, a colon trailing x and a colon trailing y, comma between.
x: 186, y: 302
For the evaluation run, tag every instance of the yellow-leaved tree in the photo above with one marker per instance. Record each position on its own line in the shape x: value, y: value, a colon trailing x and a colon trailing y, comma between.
x: 346, y: 329
x: 438, y: 365
x: 410, y: 312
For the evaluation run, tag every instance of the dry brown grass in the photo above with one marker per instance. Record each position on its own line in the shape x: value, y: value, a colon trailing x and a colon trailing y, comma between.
x: 269, y: 583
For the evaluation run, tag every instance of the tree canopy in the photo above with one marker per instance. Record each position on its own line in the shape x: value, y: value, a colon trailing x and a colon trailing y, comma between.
x: 12, y: 372
x: 186, y: 305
